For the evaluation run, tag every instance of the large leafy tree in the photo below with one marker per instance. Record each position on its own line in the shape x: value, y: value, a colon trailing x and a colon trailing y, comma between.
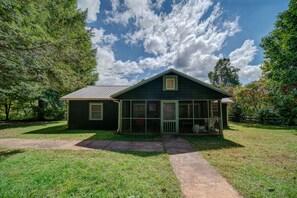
x: 224, y: 74
x: 43, y: 46
x: 280, y: 66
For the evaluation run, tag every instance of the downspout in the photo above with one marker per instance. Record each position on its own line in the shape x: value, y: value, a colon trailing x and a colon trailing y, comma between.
x: 119, y: 116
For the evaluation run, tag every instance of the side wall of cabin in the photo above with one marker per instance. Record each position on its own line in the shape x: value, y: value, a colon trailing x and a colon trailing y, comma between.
x: 79, y: 117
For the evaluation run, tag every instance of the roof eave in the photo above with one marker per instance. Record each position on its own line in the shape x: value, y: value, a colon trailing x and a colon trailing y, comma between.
x: 67, y: 99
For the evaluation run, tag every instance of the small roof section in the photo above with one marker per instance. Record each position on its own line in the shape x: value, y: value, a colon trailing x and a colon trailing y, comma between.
x: 99, y: 92
x: 227, y: 100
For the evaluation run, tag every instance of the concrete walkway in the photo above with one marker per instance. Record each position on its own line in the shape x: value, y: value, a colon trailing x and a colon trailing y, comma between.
x: 197, y: 177
x: 83, y: 145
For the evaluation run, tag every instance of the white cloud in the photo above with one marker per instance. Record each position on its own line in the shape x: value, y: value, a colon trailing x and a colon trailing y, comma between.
x: 93, y: 7
x: 112, y: 71
x: 188, y: 38
x: 242, y: 58
x: 250, y: 73
x: 99, y: 38
x: 159, y: 3
x: 155, y: 45
x: 98, y: 35
x: 181, y: 38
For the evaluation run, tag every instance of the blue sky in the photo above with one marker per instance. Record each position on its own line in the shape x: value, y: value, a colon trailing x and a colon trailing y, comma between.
x: 139, y: 38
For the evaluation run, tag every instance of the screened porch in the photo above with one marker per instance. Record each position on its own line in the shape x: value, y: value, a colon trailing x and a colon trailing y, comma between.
x: 171, y: 116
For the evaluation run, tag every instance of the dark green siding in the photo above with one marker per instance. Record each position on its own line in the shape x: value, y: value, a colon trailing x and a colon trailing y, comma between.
x: 187, y: 90
x: 79, y: 115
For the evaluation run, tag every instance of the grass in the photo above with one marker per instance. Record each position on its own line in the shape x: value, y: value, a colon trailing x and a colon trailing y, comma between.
x: 58, y: 130
x: 259, y: 160
x: 65, y: 173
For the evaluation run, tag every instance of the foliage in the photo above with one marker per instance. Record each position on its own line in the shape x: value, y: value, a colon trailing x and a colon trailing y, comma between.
x: 252, y: 97
x: 280, y: 66
x: 224, y: 74
x: 43, y: 46
x: 259, y: 160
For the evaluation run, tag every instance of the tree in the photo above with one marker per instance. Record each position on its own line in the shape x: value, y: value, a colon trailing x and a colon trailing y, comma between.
x: 280, y: 65
x: 224, y: 74
x: 43, y: 46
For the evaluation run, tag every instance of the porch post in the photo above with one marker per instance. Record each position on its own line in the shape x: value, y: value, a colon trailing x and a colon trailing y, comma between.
x: 221, y: 117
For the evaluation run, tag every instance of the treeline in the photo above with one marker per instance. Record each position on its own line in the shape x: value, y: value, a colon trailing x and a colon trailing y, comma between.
x: 273, y: 98
x: 45, y: 52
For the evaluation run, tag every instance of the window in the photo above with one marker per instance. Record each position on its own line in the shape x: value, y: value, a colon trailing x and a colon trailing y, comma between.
x: 96, y: 111
x: 170, y: 83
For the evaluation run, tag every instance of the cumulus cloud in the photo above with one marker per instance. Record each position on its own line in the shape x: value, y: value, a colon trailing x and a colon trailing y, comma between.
x: 99, y: 38
x: 188, y: 38
x: 242, y: 58
x: 93, y: 7
x: 250, y: 73
x: 155, y: 45
x: 112, y: 71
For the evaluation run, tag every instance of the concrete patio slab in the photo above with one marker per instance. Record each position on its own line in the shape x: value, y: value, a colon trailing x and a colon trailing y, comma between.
x: 197, y: 177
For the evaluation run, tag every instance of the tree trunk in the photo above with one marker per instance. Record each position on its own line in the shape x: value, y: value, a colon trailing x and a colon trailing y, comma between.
x: 7, y: 110
x: 40, y: 115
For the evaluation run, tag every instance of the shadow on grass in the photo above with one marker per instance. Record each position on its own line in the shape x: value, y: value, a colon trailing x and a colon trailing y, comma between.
x: 19, y: 124
x: 7, y: 153
x: 229, y: 128
x: 96, y: 134
x: 201, y: 143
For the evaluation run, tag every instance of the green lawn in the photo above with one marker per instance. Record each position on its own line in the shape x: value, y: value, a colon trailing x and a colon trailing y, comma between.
x: 259, y: 160
x: 58, y: 130
x: 64, y: 173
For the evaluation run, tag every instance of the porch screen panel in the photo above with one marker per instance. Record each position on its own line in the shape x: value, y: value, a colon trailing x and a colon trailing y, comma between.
x: 138, y: 117
x: 200, y: 109
x: 126, y: 125
x: 201, y: 119
x: 138, y: 125
x: 138, y: 109
x: 185, y: 110
x: 126, y: 109
x: 153, y: 126
x: 153, y: 109
x: 185, y: 116
x: 153, y: 117
x: 169, y: 111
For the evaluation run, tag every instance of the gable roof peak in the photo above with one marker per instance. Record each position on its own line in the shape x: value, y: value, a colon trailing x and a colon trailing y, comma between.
x: 177, y: 73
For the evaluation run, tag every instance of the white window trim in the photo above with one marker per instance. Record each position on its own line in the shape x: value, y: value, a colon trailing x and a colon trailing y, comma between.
x: 174, y: 83
x: 90, y: 111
